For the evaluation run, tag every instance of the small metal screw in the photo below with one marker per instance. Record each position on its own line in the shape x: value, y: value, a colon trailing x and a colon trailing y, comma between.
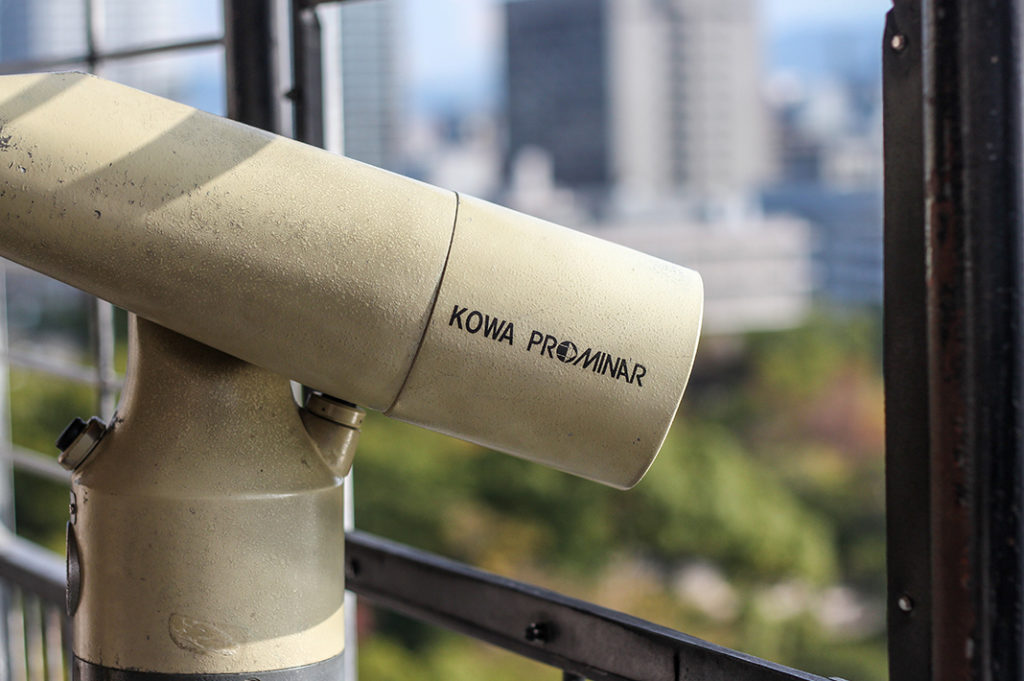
x: 70, y: 434
x: 78, y: 440
x: 73, y: 509
x: 536, y: 631
x: 905, y: 603
x: 898, y: 42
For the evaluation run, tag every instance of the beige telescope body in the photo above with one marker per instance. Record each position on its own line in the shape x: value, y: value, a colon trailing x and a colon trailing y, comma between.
x: 206, y: 532
x: 436, y: 308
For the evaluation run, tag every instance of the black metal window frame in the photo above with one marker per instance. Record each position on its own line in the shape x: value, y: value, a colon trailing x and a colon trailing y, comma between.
x: 954, y: 265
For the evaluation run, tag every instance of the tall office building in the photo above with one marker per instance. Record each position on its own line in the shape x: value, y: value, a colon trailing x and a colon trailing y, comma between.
x: 649, y: 110
x: 558, y: 86
x: 370, y: 81
x: 651, y: 98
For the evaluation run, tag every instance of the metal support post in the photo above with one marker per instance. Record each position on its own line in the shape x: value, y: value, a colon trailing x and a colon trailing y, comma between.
x: 103, y: 347
x: 954, y: 351
x: 250, y: 50
x: 230, y: 544
x: 307, y: 92
x: 906, y: 337
x: 6, y: 474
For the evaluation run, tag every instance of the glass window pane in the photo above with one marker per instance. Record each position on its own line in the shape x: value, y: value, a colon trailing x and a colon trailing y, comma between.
x: 193, y: 77
x: 129, y: 24
x: 41, y: 29
x: 46, y: 317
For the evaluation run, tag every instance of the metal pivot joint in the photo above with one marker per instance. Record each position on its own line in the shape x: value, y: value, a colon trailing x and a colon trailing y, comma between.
x: 333, y: 425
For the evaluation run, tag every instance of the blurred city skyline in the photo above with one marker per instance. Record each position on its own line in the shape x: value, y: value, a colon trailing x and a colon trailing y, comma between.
x: 454, y: 48
x: 740, y: 138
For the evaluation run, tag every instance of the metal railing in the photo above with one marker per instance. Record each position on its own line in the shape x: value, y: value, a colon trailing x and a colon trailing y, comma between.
x: 36, y: 631
x: 580, y: 638
x: 38, y: 634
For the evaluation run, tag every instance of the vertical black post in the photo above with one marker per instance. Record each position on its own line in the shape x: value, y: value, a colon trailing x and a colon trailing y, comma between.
x: 7, y: 519
x: 250, y: 49
x: 307, y: 94
x: 974, y: 248
x: 92, y: 11
x: 908, y: 496
x: 954, y: 353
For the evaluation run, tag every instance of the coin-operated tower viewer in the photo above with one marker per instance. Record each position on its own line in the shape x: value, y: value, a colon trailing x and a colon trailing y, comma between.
x: 206, y: 535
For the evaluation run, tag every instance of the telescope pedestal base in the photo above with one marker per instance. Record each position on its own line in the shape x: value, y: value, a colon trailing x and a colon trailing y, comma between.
x: 328, y: 670
x: 209, y: 525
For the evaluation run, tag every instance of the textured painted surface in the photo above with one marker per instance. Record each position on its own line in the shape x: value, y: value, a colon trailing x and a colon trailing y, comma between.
x: 555, y: 346
x: 318, y: 267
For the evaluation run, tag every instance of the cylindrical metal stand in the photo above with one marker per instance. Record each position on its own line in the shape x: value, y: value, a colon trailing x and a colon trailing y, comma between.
x: 207, y: 526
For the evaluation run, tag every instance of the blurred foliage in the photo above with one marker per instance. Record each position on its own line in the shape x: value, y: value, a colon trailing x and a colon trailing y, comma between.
x: 760, y: 526
x: 449, y: 659
x: 772, y: 475
x: 41, y: 407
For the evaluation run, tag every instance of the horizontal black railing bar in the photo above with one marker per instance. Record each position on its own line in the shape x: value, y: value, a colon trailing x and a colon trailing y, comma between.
x: 36, y: 463
x: 32, y: 568
x: 576, y: 636
x: 33, y: 65
x: 67, y: 370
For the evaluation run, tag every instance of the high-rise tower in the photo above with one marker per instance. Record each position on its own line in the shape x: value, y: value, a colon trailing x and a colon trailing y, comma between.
x: 652, y: 99
x: 370, y: 81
